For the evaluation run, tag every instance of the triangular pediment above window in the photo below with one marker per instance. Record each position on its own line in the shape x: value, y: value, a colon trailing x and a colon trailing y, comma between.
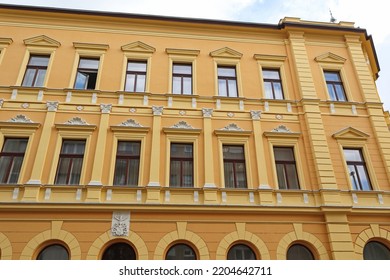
x: 351, y: 133
x: 330, y: 58
x: 226, y: 53
x: 42, y: 41
x: 138, y: 47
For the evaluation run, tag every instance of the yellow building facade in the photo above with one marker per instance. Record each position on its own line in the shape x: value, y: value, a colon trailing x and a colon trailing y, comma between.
x: 131, y: 136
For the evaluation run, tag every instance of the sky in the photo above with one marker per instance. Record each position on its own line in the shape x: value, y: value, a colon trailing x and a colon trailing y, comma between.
x: 370, y: 15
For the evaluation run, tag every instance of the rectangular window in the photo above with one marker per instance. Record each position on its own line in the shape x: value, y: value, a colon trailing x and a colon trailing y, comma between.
x: 272, y: 84
x: 181, y: 78
x: 135, y: 76
x: 87, y: 73
x: 335, y: 86
x: 36, y: 71
x: 234, y: 166
x: 70, y: 162
x: 181, y: 165
x: 11, y: 159
x: 127, y: 163
x: 227, y: 81
x: 357, y: 169
x: 286, y: 168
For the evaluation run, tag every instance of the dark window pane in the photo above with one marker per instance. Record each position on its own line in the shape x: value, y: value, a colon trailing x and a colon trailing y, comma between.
x: 374, y: 250
x: 234, y: 166
x: 181, y: 165
x: 54, y: 252
x: 87, y: 73
x: 241, y: 252
x: 299, y: 252
x: 127, y: 163
x: 284, y: 154
x: 286, y: 170
x: 119, y: 251
x: 136, y: 76
x: 11, y: 159
x: 180, y: 252
x: 335, y: 86
x: 357, y: 169
x: 36, y: 71
x: 70, y: 162
x: 233, y: 152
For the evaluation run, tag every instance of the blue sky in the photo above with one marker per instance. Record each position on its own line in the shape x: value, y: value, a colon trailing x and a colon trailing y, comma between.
x: 370, y: 15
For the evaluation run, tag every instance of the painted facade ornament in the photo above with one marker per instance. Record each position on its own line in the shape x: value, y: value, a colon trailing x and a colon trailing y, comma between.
x: 256, y: 115
x: 230, y: 114
x: 182, y: 124
x: 282, y: 128
x: 105, y: 108
x: 25, y: 105
x: 120, y: 225
x: 20, y: 119
x: 207, y: 112
x: 76, y: 121
x: 133, y: 110
x: 52, y: 106
x: 79, y: 108
x: 130, y: 123
x: 1, y: 103
x: 157, y: 110
x: 232, y: 127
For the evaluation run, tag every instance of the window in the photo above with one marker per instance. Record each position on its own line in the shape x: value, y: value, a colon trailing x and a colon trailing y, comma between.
x: 127, y: 163
x: 11, y: 159
x: 286, y: 168
x: 87, y: 73
x: 272, y: 84
x: 335, y: 86
x: 54, y: 252
x: 119, y: 251
x: 227, y: 81
x: 181, y: 78
x: 357, y: 169
x: 374, y: 250
x: 135, y: 76
x: 234, y: 166
x: 70, y: 162
x: 299, y: 252
x: 181, y: 165
x: 36, y: 71
x: 241, y: 252
x: 180, y: 252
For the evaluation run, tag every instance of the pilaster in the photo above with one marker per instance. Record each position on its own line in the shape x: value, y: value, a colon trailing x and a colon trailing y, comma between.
x: 339, y: 234
x: 312, y: 114
x: 37, y: 170
x: 97, y: 169
x: 208, y: 148
x: 154, y: 175
x: 259, y: 151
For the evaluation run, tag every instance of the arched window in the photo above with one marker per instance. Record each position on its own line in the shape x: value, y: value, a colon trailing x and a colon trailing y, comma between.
x: 374, y: 250
x: 180, y: 252
x: 119, y: 251
x: 54, y: 252
x: 299, y: 252
x: 241, y: 252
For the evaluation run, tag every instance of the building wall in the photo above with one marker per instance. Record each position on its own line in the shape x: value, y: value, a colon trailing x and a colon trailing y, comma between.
x: 326, y: 213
